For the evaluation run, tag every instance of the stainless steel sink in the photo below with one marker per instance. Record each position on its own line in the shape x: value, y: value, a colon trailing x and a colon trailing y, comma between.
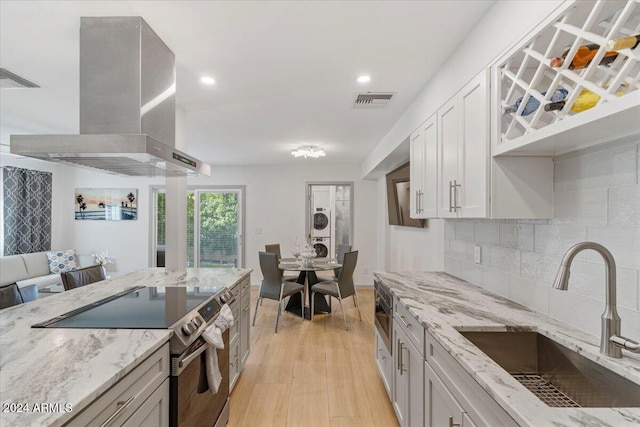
x: 556, y: 375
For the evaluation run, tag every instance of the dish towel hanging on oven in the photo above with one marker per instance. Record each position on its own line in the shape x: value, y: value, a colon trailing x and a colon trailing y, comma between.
x: 213, y: 336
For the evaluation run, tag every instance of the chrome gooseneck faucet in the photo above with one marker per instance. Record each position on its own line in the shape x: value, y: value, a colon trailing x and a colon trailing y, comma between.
x: 611, y: 342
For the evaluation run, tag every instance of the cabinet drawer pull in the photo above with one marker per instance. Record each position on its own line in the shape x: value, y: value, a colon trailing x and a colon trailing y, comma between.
x: 402, y: 318
x: 452, y: 424
x: 123, y: 404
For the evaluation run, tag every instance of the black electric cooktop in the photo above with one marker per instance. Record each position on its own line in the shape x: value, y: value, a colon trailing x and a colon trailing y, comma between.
x: 138, y: 308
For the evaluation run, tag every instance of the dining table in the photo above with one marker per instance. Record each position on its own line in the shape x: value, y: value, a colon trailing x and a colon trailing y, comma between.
x: 307, y: 277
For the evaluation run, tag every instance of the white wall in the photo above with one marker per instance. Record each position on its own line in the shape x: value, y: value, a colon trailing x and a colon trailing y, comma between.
x: 596, y: 198
x: 407, y: 248
x: 127, y: 241
x: 275, y: 204
x: 275, y: 197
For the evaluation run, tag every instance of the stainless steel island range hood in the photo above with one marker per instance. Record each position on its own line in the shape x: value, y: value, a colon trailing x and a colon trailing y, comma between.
x: 127, y: 105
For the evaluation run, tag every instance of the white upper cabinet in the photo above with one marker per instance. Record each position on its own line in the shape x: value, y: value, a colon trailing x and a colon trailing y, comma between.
x: 473, y: 147
x: 448, y: 149
x: 454, y: 176
x: 572, y: 82
x: 463, y: 144
x: 424, y: 170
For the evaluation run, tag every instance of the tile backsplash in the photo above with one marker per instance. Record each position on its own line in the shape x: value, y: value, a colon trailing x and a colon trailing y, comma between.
x: 596, y: 198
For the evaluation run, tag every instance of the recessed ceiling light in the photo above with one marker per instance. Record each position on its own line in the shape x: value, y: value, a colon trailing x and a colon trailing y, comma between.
x: 207, y: 80
x: 363, y: 79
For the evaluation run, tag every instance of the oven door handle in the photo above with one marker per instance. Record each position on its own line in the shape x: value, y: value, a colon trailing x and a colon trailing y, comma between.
x: 179, y: 365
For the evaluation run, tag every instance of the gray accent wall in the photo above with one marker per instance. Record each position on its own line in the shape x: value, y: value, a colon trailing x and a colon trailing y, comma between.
x: 597, y: 198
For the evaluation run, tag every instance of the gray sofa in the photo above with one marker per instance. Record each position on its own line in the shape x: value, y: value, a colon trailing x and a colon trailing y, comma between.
x: 33, y: 269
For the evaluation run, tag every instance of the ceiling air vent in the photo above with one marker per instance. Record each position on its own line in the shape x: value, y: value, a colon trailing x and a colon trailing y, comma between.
x: 8, y: 80
x: 372, y: 100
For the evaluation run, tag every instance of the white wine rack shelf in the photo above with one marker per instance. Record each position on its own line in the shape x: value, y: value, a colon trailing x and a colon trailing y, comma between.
x: 525, y: 73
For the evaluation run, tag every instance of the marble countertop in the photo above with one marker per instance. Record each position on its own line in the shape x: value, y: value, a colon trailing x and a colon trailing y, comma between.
x: 72, y: 367
x: 443, y: 304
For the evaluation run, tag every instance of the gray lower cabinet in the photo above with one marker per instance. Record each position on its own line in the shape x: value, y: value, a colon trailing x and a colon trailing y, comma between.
x: 239, y: 338
x: 385, y: 364
x: 427, y: 386
x: 234, y: 362
x: 453, y: 397
x: 441, y: 409
x: 140, y: 398
x: 154, y: 412
x: 408, y: 382
x: 244, y: 325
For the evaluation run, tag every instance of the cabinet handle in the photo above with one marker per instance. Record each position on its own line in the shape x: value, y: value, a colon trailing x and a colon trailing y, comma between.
x: 122, y: 406
x: 450, y: 196
x: 417, y: 201
x: 420, y: 194
x: 402, y: 368
x: 402, y: 318
x: 399, y: 354
x: 455, y: 195
x: 452, y: 424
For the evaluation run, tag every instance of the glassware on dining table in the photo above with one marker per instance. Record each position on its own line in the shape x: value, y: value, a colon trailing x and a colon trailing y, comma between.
x: 307, y: 254
x: 296, y: 249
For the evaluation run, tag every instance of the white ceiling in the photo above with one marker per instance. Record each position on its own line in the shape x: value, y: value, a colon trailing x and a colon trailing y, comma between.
x: 285, y: 70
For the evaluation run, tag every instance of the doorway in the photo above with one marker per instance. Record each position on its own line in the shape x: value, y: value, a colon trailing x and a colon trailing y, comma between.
x: 215, y: 227
x: 329, y: 218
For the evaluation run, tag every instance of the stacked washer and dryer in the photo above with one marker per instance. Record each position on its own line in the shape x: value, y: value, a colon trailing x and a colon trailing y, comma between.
x: 321, y: 232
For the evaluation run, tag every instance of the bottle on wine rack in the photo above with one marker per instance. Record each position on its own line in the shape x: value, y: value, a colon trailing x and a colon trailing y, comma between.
x: 533, y: 104
x: 585, y: 101
x: 583, y: 57
x: 623, y: 43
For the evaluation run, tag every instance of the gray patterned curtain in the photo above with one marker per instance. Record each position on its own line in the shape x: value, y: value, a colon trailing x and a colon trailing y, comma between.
x: 27, y: 210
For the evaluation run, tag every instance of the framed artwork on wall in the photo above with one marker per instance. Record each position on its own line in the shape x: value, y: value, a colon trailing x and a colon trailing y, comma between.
x: 106, y: 204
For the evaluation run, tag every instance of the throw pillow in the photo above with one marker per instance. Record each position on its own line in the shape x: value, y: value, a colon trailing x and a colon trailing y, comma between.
x: 62, y: 261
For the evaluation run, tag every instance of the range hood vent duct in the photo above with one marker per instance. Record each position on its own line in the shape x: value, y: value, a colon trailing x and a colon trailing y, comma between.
x: 372, y: 100
x: 127, y: 105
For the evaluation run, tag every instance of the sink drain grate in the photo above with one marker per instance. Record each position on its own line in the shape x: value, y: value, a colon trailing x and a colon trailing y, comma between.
x: 545, y: 391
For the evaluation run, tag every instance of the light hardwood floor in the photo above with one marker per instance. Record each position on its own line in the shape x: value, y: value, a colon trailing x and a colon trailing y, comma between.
x: 312, y: 373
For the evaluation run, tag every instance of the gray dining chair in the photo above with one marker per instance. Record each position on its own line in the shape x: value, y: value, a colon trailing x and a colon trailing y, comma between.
x: 11, y: 295
x: 275, y: 249
x: 272, y: 286
x: 340, y: 251
x: 341, y: 288
x: 81, y: 277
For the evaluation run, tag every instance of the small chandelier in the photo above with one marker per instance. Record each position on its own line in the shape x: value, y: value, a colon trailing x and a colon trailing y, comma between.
x: 308, y: 151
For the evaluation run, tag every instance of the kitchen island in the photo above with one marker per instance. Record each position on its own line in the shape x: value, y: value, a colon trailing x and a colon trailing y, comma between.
x: 445, y: 305
x: 47, y: 376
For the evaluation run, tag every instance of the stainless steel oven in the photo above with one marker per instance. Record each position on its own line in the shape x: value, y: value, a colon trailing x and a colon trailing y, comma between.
x: 192, y: 404
x: 384, y: 313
